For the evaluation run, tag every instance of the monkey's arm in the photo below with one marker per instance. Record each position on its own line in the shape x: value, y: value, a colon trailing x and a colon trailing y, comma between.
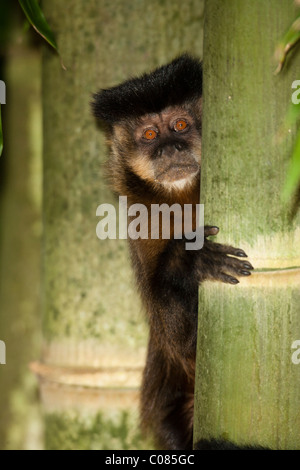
x: 173, y: 289
x: 170, y: 293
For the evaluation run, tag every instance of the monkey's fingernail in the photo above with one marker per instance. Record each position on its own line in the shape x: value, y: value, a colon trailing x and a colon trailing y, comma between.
x: 241, y: 254
x: 248, y: 265
x: 245, y: 273
x: 210, y: 230
x: 214, y: 230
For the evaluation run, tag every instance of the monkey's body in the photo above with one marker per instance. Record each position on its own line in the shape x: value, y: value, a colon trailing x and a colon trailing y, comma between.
x: 154, y: 128
x: 169, y: 290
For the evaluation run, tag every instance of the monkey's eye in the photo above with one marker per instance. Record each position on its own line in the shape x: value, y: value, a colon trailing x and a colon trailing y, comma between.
x: 150, y: 134
x: 180, y: 125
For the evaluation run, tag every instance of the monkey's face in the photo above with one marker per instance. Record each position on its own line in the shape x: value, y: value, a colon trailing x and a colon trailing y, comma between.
x: 164, y: 148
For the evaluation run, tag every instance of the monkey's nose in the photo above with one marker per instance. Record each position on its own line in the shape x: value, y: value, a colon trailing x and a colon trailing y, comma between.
x: 178, y: 146
x: 169, y: 150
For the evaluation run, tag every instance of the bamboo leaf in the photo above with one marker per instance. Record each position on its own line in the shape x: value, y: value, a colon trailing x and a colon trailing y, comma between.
x: 36, y: 18
x: 290, y: 122
x: 293, y: 115
x: 1, y: 135
x: 293, y: 174
x: 288, y: 41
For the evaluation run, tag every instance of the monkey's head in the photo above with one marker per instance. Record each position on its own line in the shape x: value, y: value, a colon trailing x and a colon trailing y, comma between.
x: 154, y: 125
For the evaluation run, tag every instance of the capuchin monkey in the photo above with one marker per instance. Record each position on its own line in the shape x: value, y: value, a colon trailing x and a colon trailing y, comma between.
x: 153, y: 125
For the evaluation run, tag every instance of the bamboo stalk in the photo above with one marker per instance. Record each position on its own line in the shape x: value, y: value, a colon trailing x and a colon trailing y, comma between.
x: 247, y: 387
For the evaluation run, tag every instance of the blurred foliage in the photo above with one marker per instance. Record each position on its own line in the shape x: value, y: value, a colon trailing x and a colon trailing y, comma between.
x: 288, y: 41
x: 117, y: 431
x: 6, y: 10
x: 35, y: 17
x: 293, y: 173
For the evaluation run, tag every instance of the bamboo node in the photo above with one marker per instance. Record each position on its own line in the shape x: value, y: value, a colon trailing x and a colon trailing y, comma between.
x: 110, y: 377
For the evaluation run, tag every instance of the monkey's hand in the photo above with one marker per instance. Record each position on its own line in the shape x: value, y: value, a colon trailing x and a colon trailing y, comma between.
x: 220, y: 262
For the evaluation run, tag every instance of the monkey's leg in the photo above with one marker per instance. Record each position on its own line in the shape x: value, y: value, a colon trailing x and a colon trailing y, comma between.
x: 167, y: 402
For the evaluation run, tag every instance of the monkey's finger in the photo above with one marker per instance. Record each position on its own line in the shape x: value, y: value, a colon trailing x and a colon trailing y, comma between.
x: 226, y: 249
x: 237, y: 267
x: 240, y: 253
x: 247, y: 265
x: 223, y: 277
x: 210, y: 230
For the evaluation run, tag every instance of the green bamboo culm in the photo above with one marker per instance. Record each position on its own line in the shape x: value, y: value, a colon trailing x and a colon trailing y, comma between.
x: 247, y: 386
x: 94, y: 337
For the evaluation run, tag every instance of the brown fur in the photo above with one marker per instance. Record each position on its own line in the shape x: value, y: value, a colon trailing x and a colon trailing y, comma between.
x: 166, y: 170
x: 162, y: 267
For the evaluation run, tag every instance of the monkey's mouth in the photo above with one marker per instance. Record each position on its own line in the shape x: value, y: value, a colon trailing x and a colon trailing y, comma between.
x: 176, y: 172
